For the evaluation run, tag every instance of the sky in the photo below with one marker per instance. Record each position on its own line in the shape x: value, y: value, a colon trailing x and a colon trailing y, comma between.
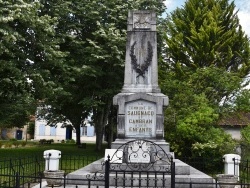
x: 243, y: 7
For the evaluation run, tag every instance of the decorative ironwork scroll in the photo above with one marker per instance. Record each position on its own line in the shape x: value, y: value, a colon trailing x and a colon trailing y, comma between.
x: 142, y: 155
x: 141, y: 68
x: 139, y: 157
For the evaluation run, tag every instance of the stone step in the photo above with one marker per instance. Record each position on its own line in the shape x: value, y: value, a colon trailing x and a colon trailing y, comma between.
x: 181, y: 181
x: 181, y: 168
x: 184, y: 173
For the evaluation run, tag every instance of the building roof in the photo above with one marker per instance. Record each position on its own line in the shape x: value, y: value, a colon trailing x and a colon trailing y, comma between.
x: 235, y: 119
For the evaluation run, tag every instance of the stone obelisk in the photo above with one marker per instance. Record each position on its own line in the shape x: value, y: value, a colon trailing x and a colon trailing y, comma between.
x: 140, y: 103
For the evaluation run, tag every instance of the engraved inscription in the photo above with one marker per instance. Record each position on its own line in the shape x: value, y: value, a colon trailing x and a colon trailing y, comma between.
x: 140, y: 119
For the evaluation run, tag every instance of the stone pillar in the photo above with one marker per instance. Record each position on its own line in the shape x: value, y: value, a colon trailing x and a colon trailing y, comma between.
x: 140, y: 103
x: 141, y: 72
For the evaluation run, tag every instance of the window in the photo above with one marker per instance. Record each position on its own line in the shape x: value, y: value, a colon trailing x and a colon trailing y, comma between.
x: 42, y: 130
x: 84, y: 131
x: 90, y: 131
x: 52, y: 131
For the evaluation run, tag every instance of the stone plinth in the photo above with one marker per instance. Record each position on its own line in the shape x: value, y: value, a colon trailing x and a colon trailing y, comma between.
x: 184, y: 173
x: 226, y: 179
x: 54, y: 178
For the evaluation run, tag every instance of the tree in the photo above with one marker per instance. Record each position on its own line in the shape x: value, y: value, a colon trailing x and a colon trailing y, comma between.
x: 207, y: 35
x: 206, y: 57
x: 242, y: 101
x: 94, y: 35
x: 204, y: 34
x: 26, y: 41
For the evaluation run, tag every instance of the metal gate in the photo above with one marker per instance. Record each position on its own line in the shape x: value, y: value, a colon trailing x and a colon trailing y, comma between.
x: 138, y: 163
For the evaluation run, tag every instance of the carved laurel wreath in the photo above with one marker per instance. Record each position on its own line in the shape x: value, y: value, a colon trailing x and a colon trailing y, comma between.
x: 141, y: 69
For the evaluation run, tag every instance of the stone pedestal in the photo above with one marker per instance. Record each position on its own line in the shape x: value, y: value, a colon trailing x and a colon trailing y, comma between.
x: 225, y: 180
x: 140, y: 115
x: 54, y: 178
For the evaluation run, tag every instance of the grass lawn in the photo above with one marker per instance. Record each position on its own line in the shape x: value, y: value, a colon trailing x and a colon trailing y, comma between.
x: 36, y: 149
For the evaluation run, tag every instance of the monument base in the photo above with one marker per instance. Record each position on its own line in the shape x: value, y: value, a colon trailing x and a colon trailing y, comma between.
x: 185, y: 174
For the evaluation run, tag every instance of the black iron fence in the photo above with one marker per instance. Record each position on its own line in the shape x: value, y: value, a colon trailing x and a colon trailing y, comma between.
x: 208, y: 165
x: 27, y: 172
x: 30, y: 169
x: 244, y: 170
x: 101, y: 183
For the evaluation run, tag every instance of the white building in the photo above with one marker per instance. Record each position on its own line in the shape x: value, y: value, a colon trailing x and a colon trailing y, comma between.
x: 234, y: 123
x: 59, y: 133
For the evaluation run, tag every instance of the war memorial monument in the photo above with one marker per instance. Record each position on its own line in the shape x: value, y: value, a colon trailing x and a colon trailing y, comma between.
x: 140, y: 147
x: 140, y: 103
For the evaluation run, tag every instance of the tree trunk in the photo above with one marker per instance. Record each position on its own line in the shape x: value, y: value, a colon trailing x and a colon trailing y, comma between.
x: 78, y: 134
x: 101, y: 121
x: 111, y: 119
x: 110, y: 135
x: 76, y: 123
x: 99, y: 130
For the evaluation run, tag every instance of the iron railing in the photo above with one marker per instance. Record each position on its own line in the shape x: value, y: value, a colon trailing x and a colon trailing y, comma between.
x: 26, y: 172
x: 208, y: 165
x: 30, y: 169
x: 244, y: 166
x: 100, y: 183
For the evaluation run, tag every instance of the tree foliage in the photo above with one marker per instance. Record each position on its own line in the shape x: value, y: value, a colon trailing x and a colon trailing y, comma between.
x: 242, y: 101
x: 207, y: 33
x: 26, y: 41
x: 205, y: 62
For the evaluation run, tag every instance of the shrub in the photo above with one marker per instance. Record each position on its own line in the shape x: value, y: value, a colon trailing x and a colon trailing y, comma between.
x: 13, y: 139
x: 8, y: 145
x: 245, y: 135
x: 23, y: 143
x: 245, y: 142
x: 15, y: 143
x: 72, y: 141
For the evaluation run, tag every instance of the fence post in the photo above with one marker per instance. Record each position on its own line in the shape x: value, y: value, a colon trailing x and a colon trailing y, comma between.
x: 17, y: 180
x: 172, y: 173
x: 107, y: 166
x: 190, y: 185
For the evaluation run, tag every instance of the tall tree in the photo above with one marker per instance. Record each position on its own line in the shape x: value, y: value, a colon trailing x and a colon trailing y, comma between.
x: 207, y: 33
x: 206, y: 56
x: 26, y: 40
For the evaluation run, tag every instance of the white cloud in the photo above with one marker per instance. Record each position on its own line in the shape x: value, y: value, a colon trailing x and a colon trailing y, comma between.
x: 173, y: 4
x: 168, y: 2
x: 245, y: 21
x: 243, y: 7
